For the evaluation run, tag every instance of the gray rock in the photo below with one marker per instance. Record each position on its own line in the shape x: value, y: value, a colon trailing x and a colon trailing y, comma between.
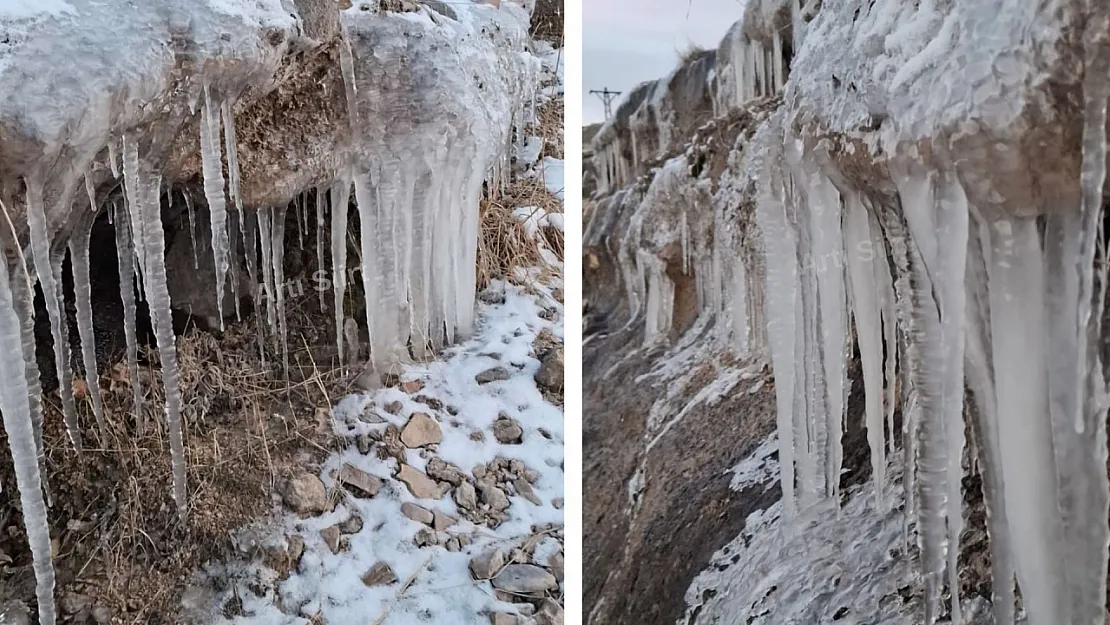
x: 557, y: 503
x: 453, y: 544
x: 426, y: 537
x: 525, y: 579
x: 304, y: 493
x: 358, y: 482
x: 487, y: 565
x: 439, y: 469
x: 551, y: 613
x: 421, y: 431
x: 524, y: 489
x: 493, y: 496
x: 507, y: 431
x: 496, y: 374
x: 352, y: 525
x: 465, y: 496
x: 441, y: 521
x: 381, y: 574
x: 417, y: 513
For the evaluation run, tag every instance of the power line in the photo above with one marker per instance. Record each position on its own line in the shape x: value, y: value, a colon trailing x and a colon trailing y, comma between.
x: 607, y: 98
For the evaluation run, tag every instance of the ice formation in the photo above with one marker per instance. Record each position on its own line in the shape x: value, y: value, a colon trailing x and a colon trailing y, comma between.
x: 891, y: 208
x: 110, y: 91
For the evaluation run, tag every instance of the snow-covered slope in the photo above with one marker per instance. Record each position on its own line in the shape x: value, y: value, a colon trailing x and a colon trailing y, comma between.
x: 926, y: 194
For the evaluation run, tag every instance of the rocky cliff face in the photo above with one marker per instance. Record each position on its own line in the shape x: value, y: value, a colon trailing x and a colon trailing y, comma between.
x: 877, y: 199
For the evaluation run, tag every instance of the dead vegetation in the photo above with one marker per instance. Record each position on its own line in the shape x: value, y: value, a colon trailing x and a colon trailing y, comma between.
x: 547, y: 21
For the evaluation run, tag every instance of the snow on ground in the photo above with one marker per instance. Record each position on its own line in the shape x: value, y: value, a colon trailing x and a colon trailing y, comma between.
x: 440, y: 587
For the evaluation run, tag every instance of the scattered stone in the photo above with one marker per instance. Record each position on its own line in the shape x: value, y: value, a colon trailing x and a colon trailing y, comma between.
x: 545, y: 433
x: 417, y: 513
x: 381, y: 574
x: 507, y: 431
x: 283, y: 558
x: 102, y: 615
x: 493, y: 496
x: 420, y: 431
x: 477, y: 436
x: 359, y: 482
x: 501, y: 618
x: 479, y: 472
x: 394, y: 407
x: 531, y: 475
x: 412, y: 386
x: 465, y: 496
x: 525, y: 579
x: 557, y: 503
x: 439, y: 469
x: 331, y: 536
x: 304, y: 493
x: 391, y: 446
x: 389, y: 380
x: 550, y: 374
x: 487, y: 565
x: 551, y: 613
x: 516, y: 467
x: 426, y: 538
x: 365, y: 443
x: 558, y: 295
x: 526, y: 609
x: 430, y: 402
x: 496, y: 374
x: 441, y: 521
x: 492, y: 297
x: 453, y: 544
x: 555, y: 563
x: 352, y: 525
x: 464, y: 539
x: 370, y: 417
x: 524, y: 489
x: 420, y: 485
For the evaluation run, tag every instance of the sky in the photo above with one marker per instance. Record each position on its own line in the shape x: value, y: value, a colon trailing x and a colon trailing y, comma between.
x: 626, y: 42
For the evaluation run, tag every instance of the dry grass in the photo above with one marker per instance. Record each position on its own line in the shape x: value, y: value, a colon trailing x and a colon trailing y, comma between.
x: 689, y: 52
x: 116, y: 532
x: 547, y: 21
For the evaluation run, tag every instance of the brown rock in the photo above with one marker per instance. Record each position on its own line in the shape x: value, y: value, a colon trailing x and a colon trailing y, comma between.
x: 441, y: 521
x: 493, y: 496
x: 466, y: 497
x: 444, y: 471
x: 412, y: 386
x: 352, y: 525
x: 501, y: 618
x: 426, y: 537
x: 496, y: 374
x: 304, y: 493
x: 507, y: 431
x: 420, y: 485
x: 331, y: 536
x: 487, y: 565
x: 420, y: 431
x: 417, y: 513
x: 524, y: 489
x: 550, y: 374
x: 551, y: 613
x: 524, y: 579
x: 359, y: 482
x: 381, y: 574
x: 394, y: 407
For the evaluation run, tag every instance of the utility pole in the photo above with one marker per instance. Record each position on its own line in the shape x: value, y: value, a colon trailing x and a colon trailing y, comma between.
x: 607, y: 97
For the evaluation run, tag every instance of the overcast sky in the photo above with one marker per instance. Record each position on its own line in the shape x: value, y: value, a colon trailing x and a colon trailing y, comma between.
x: 626, y: 42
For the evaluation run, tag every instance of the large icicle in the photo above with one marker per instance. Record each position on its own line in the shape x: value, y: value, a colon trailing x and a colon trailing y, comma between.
x: 142, y: 189
x: 125, y: 256
x: 18, y: 425
x: 23, y: 296
x: 277, y: 251
x: 212, y: 168
x: 266, y: 238
x: 340, y: 196
x: 40, y: 253
x: 320, y: 221
x: 82, y: 292
x: 980, y: 377
x: 865, y: 307
x: 782, y: 286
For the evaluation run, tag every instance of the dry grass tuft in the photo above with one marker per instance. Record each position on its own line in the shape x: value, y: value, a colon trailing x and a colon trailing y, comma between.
x: 547, y: 21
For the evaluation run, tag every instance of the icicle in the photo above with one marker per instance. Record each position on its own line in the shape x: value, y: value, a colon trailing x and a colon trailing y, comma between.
x: 277, y: 250
x: 145, y: 210
x: 985, y: 425
x: 212, y: 168
x: 782, y: 287
x: 302, y: 221
x: 375, y: 199
x: 112, y: 160
x: 350, y: 87
x: 19, y: 427
x: 40, y: 252
x: 684, y: 237
x: 865, y: 307
x: 320, y: 205
x: 90, y: 191
x: 340, y: 196
x: 126, y: 267
x: 232, y: 149
x: 23, y: 296
x: 266, y: 237
x: 82, y: 292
